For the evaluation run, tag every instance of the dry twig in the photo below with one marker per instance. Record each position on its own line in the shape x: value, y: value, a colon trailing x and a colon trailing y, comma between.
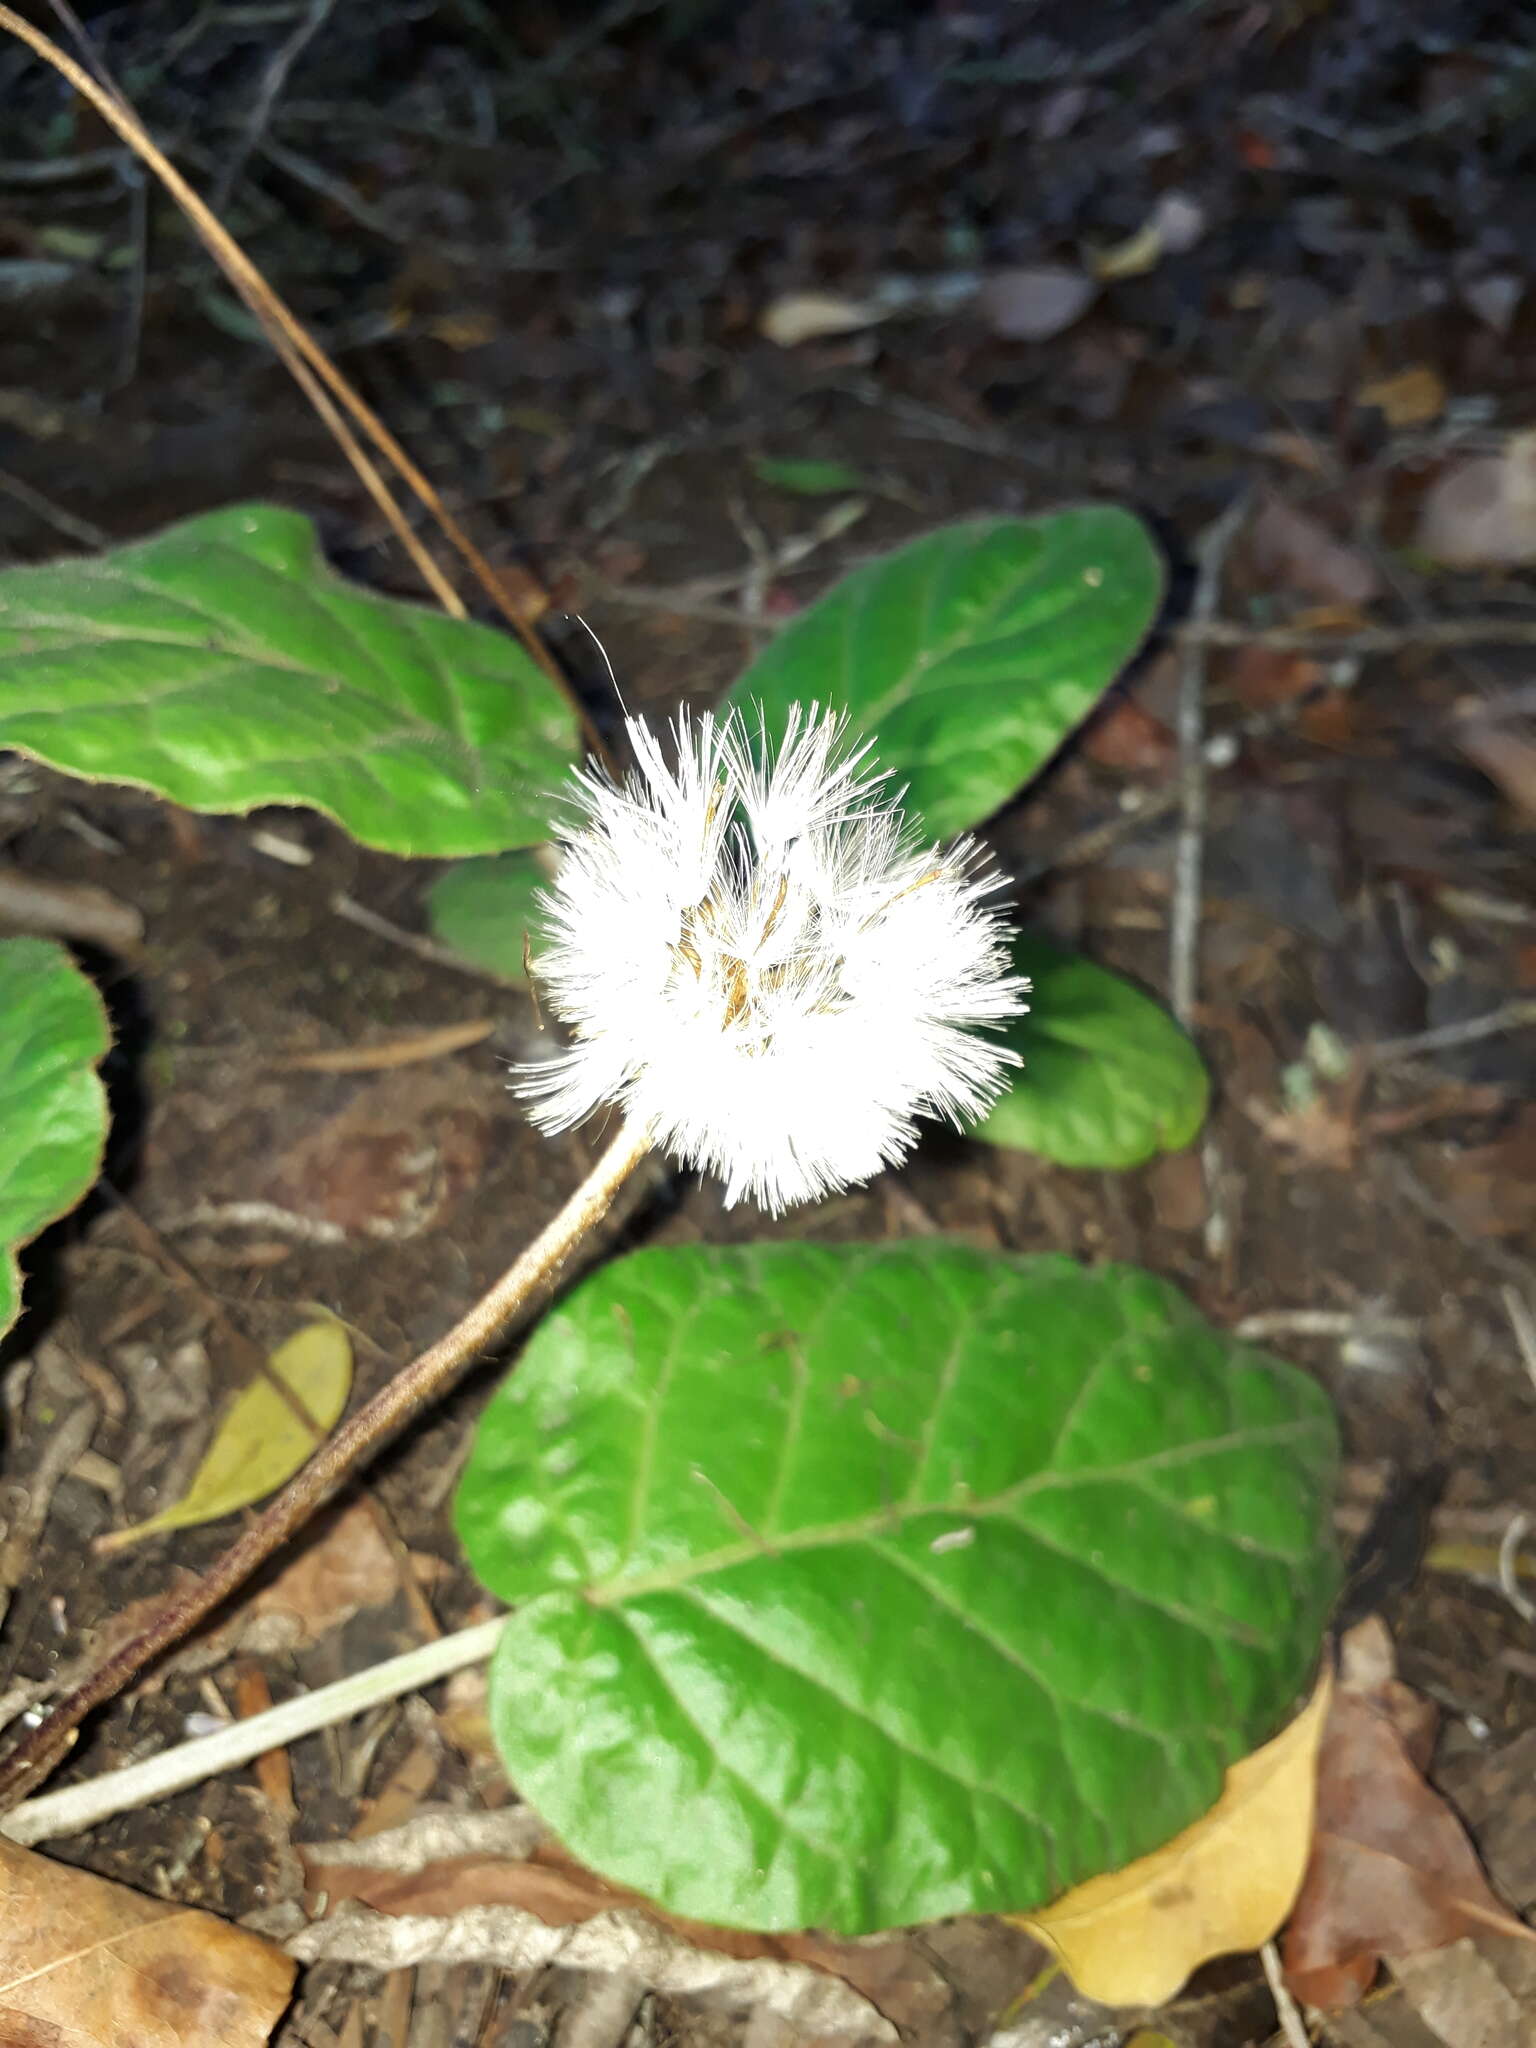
x: 1189, y: 848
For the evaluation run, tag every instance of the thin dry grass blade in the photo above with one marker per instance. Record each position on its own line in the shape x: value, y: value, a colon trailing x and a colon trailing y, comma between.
x: 317, y: 376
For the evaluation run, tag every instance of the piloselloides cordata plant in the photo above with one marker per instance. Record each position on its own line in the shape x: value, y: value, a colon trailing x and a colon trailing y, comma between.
x: 850, y: 1585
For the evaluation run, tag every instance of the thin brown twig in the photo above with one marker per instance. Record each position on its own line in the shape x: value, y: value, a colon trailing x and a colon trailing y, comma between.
x: 273, y: 79
x: 425, y: 1379
x: 416, y: 942
x: 1480, y: 630
x: 53, y: 515
x: 301, y: 353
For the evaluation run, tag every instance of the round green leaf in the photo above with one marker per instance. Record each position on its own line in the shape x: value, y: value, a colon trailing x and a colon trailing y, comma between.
x: 53, y: 1109
x: 970, y: 655
x: 223, y: 665
x: 1108, y: 1077
x: 483, y: 909
x: 861, y: 1585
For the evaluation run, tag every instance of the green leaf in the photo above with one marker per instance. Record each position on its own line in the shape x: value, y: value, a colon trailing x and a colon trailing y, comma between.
x: 482, y: 908
x: 808, y: 477
x: 859, y: 1585
x: 222, y: 664
x: 1108, y: 1078
x: 970, y: 655
x: 53, y: 1108
x: 264, y: 1435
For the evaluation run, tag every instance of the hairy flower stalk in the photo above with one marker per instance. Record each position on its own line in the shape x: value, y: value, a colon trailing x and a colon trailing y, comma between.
x: 763, y: 965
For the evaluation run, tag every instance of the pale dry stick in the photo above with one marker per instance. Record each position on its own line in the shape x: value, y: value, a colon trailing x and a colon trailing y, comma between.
x: 1321, y: 1322
x: 274, y: 78
x: 271, y: 314
x: 1509, y: 1566
x: 1189, y: 846
x: 1189, y: 851
x: 1287, y: 2011
x: 1523, y: 1323
x: 78, y: 1807
x: 1518, y: 1015
x: 297, y: 346
x: 426, y: 1378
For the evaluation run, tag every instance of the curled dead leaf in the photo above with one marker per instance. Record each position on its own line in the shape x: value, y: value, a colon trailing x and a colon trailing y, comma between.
x: 1391, y: 1870
x: 1226, y: 1883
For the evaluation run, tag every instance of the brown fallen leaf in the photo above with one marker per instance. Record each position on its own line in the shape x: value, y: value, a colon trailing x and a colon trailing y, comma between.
x: 272, y: 1770
x: 1481, y: 512
x: 348, y: 1568
x: 1457, y: 1992
x: 1133, y: 1936
x: 89, y: 1964
x: 1391, y: 1870
x: 389, y: 1165
x: 1492, y: 1187
x: 1127, y: 736
x: 1506, y: 753
x: 1261, y: 677
x: 1295, y: 551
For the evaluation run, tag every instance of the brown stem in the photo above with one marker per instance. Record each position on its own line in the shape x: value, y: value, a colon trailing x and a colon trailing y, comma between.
x: 412, y: 1387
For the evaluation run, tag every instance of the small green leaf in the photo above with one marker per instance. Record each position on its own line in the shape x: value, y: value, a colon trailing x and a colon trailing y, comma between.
x: 263, y: 1436
x: 53, y: 1108
x: 855, y: 1586
x: 482, y: 908
x: 1108, y: 1078
x: 222, y: 664
x: 970, y: 655
x: 807, y: 477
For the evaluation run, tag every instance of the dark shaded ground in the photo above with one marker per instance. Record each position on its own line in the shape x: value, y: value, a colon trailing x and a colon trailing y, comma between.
x: 543, y: 245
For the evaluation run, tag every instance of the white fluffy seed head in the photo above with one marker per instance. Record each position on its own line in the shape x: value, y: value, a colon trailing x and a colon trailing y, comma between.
x: 758, y: 961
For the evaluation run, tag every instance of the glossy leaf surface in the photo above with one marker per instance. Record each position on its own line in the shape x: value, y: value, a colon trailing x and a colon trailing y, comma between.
x: 223, y: 665
x: 859, y: 1585
x: 53, y: 1109
x: 484, y: 908
x: 1108, y: 1079
x: 969, y: 656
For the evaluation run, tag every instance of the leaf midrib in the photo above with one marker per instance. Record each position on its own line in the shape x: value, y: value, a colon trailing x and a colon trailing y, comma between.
x: 886, y: 1521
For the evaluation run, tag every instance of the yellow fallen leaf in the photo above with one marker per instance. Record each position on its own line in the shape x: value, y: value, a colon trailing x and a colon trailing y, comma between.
x: 1413, y: 398
x: 1225, y: 1884
x: 263, y: 1439
x: 1133, y: 257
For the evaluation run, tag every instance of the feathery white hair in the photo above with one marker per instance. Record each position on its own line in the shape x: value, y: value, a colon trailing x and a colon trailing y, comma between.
x: 758, y: 960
